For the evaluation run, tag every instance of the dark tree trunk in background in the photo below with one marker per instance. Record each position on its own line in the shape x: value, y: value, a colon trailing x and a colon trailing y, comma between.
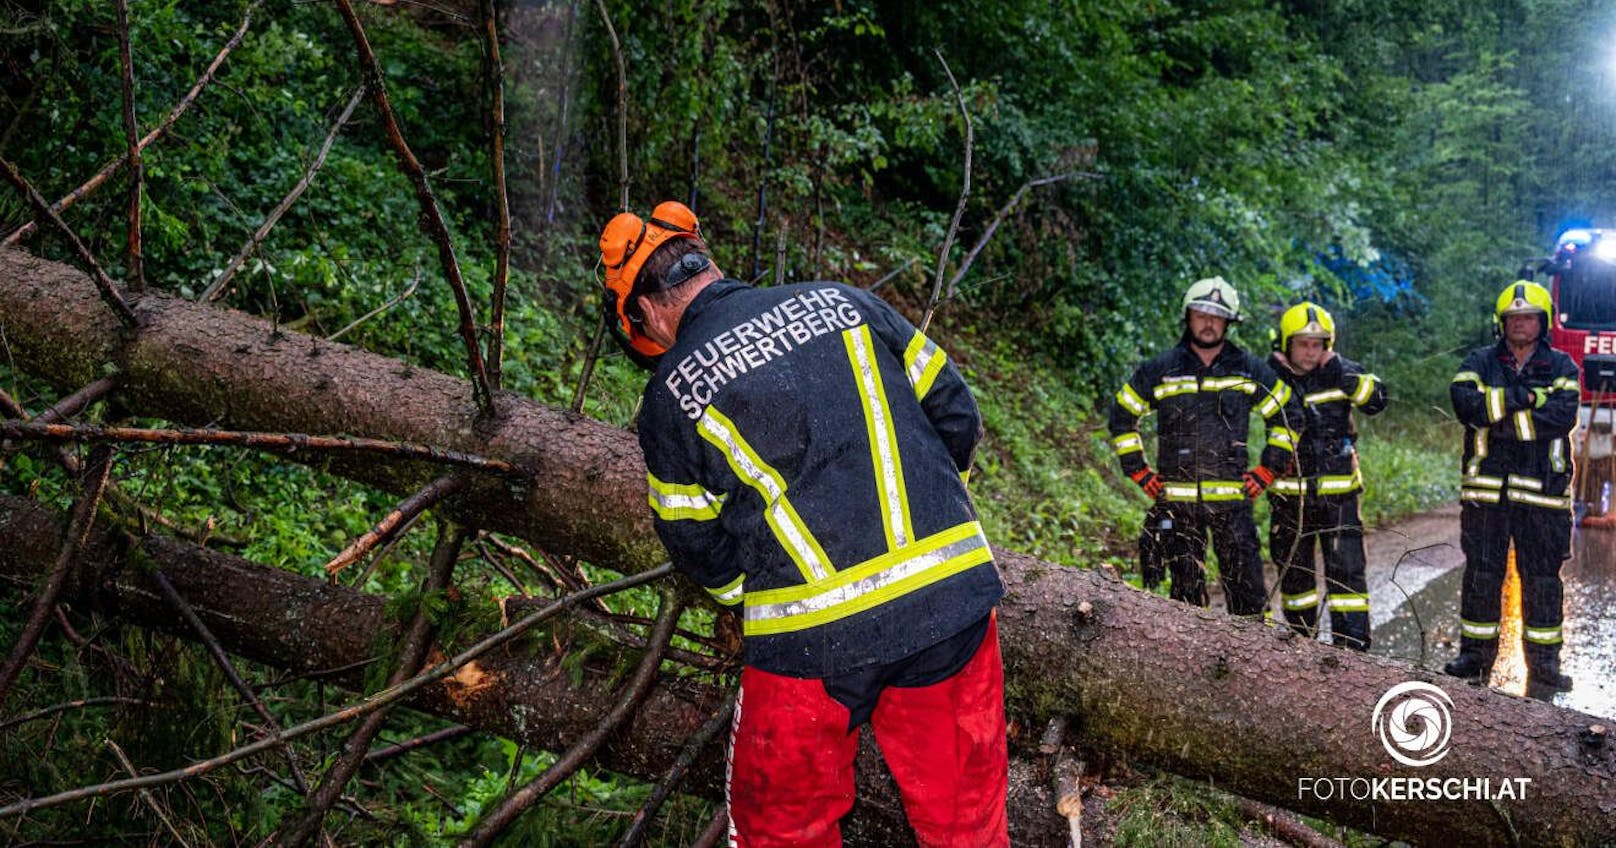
x: 1191, y: 691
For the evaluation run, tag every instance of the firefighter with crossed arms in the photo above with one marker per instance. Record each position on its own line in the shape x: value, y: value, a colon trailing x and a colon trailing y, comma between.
x: 1518, y: 402
x: 1317, y: 504
x: 1203, y: 391
x: 807, y: 451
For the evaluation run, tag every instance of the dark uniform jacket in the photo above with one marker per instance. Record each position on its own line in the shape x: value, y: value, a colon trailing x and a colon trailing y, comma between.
x: 807, y: 450
x: 1516, y: 450
x: 1203, y: 420
x: 1326, y: 457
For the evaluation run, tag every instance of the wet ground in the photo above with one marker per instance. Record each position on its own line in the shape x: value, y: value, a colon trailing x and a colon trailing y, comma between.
x: 1414, y: 572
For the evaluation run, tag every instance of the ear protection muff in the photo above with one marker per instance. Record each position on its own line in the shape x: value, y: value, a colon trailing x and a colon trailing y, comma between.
x: 625, y: 244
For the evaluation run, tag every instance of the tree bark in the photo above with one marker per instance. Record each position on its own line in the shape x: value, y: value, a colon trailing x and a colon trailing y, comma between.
x: 1189, y: 690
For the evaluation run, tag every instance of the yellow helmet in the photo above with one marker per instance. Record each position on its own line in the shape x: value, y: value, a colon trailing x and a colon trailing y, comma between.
x: 1308, y: 320
x: 1522, y: 297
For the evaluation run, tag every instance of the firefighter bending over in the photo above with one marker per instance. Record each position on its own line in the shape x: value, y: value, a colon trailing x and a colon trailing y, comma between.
x: 1204, y: 390
x: 1518, y: 402
x: 807, y: 451
x: 1319, y: 501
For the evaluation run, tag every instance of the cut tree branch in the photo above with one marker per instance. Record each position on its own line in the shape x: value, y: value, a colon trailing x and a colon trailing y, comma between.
x: 502, y: 205
x: 391, y: 524
x: 131, y: 129
x: 959, y: 208
x: 103, y: 283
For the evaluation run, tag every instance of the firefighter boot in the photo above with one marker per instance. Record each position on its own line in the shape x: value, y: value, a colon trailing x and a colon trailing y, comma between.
x: 1543, y: 677
x: 1475, y: 660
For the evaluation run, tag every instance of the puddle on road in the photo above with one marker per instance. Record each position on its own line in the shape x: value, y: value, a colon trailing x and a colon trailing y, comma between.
x: 1425, y: 629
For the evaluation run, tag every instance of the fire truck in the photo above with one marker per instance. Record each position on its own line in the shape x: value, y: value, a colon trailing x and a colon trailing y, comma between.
x: 1581, y: 276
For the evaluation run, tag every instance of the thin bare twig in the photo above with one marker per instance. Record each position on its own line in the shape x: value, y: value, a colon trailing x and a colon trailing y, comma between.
x: 77, y: 402
x: 501, y: 817
x: 590, y: 357
x: 97, y: 472
x: 396, y: 300
x: 81, y: 703
x: 145, y: 795
x: 157, y: 132
x: 402, y: 515
x: 687, y: 757
x: 622, y: 106
x: 768, y: 162
x: 222, y: 659
x: 413, y: 649
x: 431, y: 216
x: 375, y: 702
x: 275, y: 442
x: 561, y: 117
x: 716, y: 829
x: 998, y: 218
x: 103, y: 283
x: 436, y: 736
x: 131, y: 130
x: 959, y: 209
x: 219, y: 283
x: 502, y: 205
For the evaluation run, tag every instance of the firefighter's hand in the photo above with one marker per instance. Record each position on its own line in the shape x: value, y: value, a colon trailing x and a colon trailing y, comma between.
x: 1149, y: 481
x: 1540, y: 397
x: 1257, y: 480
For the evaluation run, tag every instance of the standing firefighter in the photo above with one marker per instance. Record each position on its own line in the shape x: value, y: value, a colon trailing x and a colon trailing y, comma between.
x: 1518, y: 402
x: 1319, y: 502
x: 1204, y: 390
x: 807, y: 451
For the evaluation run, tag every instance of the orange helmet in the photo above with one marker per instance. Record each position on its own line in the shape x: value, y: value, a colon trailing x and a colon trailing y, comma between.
x: 625, y: 244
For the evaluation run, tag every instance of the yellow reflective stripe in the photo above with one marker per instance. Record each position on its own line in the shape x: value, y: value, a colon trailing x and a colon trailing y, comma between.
x: 1480, y: 452
x: 923, y: 360
x: 1557, y: 455
x: 1131, y: 401
x: 1335, y: 484
x: 1469, y: 377
x: 680, y: 501
x: 1127, y: 443
x: 730, y: 593
x: 1206, y: 490
x: 1282, y: 437
x: 781, y: 516
x: 1542, y: 635
x: 1175, y: 386
x: 1482, y: 481
x: 1567, y: 383
x: 1275, y: 399
x: 1479, y: 495
x: 1523, y: 426
x: 1289, y: 486
x: 1479, y: 629
x: 889, y: 486
x: 1521, y: 481
x: 1495, y: 404
x: 1325, y: 396
x: 868, y: 584
x: 1544, y: 501
x: 1219, y: 384
x: 1366, y: 387
x: 1349, y: 602
x: 1302, y: 600
x: 965, y: 477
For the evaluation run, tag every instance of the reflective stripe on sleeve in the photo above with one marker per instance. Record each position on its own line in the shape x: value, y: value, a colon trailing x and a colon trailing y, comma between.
x: 1130, y: 400
x: 1325, y: 396
x: 1366, y: 388
x: 923, y: 360
x: 1127, y: 443
x: 682, y: 502
x: 868, y: 584
x: 1495, y: 404
x: 730, y: 593
x: 1523, y: 426
x: 1469, y: 377
x: 1282, y: 437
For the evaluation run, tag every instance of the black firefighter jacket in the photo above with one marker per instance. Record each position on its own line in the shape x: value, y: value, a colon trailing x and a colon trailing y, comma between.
x: 807, y: 450
x: 1326, y: 454
x: 1516, y: 449
x: 1203, y: 417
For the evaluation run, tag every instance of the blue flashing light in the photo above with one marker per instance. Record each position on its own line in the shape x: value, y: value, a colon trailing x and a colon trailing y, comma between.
x: 1576, y: 238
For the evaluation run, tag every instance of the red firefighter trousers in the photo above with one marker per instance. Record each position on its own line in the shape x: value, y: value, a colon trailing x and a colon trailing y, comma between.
x: 791, y: 757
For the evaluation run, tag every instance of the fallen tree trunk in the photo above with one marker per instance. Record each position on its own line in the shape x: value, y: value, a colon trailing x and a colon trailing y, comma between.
x: 1190, y: 690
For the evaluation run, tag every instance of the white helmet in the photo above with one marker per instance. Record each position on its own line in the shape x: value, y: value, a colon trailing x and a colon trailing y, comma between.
x: 1214, y: 296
